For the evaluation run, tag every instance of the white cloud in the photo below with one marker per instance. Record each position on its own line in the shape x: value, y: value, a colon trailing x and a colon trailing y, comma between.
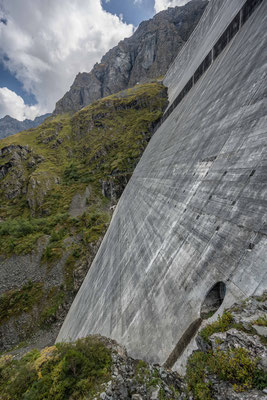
x: 13, y: 105
x: 163, y: 4
x: 48, y: 42
x: 138, y: 2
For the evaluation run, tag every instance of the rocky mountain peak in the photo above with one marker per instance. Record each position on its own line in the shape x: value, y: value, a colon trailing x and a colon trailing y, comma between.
x: 7, y: 118
x: 145, y: 55
x: 9, y: 125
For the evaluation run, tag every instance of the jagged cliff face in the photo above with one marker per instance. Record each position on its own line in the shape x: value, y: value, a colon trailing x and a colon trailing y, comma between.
x: 9, y: 125
x: 59, y: 184
x: 147, y: 54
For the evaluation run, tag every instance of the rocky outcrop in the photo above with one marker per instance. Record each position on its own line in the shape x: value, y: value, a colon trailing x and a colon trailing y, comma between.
x: 231, y: 361
x: 138, y: 380
x: 18, y: 175
x: 145, y: 55
x: 9, y: 125
x: 39, y: 184
x: 16, y: 162
x: 78, y: 204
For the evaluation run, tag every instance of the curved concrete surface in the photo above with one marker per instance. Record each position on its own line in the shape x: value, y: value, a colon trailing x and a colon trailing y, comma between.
x: 195, y: 211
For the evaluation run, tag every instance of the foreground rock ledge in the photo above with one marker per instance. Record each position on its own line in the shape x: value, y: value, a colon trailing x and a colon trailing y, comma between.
x: 239, y: 334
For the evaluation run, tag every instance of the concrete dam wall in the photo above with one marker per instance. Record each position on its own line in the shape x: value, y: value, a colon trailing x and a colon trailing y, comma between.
x: 190, y: 231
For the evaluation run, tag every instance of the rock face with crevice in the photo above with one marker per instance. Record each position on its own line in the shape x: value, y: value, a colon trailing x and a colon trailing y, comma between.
x: 194, y: 212
x: 145, y: 55
x: 15, y: 163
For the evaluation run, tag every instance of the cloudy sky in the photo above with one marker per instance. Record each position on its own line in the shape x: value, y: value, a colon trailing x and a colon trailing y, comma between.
x: 45, y: 43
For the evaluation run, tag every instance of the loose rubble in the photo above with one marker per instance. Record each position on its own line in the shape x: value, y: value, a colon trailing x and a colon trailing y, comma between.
x: 138, y: 380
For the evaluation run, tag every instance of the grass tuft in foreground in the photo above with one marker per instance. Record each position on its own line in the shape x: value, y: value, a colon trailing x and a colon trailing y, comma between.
x: 66, y: 370
x: 233, y: 365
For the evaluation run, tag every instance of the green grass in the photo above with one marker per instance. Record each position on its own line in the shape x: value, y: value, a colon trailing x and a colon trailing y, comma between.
x: 196, y: 375
x: 74, y: 370
x: 101, y: 143
x: 27, y: 299
x: 223, y: 324
x: 261, y: 321
x: 20, y: 235
x: 54, y: 299
x: 17, y: 301
x: 234, y: 365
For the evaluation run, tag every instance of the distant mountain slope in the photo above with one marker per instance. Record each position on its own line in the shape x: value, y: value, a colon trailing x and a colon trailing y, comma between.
x: 9, y: 125
x: 146, y: 54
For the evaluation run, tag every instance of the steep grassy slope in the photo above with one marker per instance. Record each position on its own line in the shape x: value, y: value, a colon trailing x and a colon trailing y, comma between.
x: 58, y: 184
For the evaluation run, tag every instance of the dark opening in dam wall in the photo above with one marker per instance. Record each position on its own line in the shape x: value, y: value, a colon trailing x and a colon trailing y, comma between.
x: 190, y: 230
x: 213, y: 300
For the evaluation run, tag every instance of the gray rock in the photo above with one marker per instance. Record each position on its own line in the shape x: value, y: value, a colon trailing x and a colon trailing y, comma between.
x: 261, y: 330
x: 145, y: 55
x: 9, y: 125
x: 202, y: 344
x: 78, y: 203
x: 234, y: 338
x: 155, y: 393
x: 109, y: 391
x: 224, y: 391
x: 263, y: 362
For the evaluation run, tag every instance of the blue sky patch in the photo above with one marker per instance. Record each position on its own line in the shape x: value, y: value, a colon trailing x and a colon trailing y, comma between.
x: 3, y: 21
x: 12, y: 83
x: 133, y: 11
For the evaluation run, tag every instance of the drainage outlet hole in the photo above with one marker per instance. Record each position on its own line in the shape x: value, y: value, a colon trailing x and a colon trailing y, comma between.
x: 213, y: 300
